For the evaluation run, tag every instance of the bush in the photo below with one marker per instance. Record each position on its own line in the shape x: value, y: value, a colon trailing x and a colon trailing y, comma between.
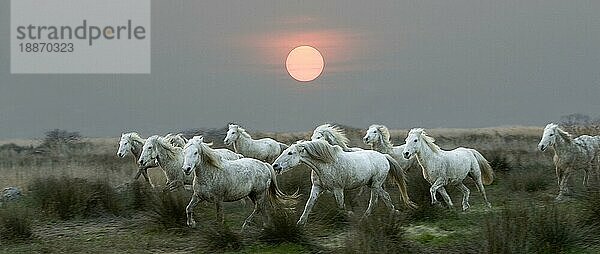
x: 283, y: 229
x: 168, y: 209
x: 378, y: 234
x: 529, y: 180
x: 15, y: 222
x: 221, y: 240
x: 522, y: 229
x: 67, y: 197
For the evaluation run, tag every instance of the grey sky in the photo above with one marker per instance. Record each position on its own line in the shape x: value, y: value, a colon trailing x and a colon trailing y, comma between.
x: 400, y: 63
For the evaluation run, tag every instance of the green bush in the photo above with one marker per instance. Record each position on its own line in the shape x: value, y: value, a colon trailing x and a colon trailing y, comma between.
x: 378, y: 234
x: 67, y: 197
x: 15, y: 222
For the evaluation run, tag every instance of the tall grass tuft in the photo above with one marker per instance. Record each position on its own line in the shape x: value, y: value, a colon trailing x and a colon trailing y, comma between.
x: 378, y: 234
x: 15, y: 222
x: 67, y: 197
x: 168, y: 209
x: 218, y: 239
x: 526, y: 229
x: 282, y: 228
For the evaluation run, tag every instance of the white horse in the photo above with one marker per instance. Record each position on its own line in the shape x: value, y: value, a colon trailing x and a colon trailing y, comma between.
x: 334, y: 136
x: 169, y: 158
x: 570, y: 154
x: 265, y: 149
x: 219, y: 180
x: 132, y: 143
x: 378, y: 137
x: 335, y: 170
x: 442, y: 168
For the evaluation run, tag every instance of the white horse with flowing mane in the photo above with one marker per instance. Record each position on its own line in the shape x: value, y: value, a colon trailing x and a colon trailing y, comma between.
x: 333, y: 135
x: 335, y: 170
x: 442, y: 168
x: 169, y: 158
x: 570, y: 154
x: 378, y: 137
x: 219, y: 180
x: 132, y: 143
x: 265, y: 149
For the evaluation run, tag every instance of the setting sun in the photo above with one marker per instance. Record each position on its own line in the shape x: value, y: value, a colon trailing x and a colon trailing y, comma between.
x: 304, y: 63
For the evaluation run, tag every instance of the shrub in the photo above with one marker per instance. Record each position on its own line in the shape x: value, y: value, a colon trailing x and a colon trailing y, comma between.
x: 68, y: 197
x: 525, y: 229
x: 221, y: 240
x: 283, y: 229
x: 529, y: 180
x: 378, y: 234
x: 168, y: 209
x: 15, y: 222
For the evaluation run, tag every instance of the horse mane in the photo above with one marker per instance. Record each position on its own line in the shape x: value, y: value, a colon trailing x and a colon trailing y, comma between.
x: 336, y: 134
x: 239, y: 128
x: 430, y: 141
x: 208, y: 155
x: 320, y: 150
x: 176, y: 139
x: 567, y: 137
x: 171, y: 150
x: 385, y: 135
x: 134, y: 137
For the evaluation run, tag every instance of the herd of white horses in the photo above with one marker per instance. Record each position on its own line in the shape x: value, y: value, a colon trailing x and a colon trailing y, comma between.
x: 249, y: 171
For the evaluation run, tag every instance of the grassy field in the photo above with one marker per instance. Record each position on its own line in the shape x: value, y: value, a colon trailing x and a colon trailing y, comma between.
x: 80, y: 197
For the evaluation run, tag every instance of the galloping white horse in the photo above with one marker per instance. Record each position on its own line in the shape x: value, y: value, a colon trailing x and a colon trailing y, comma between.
x: 335, y: 170
x: 265, y: 149
x: 570, y: 154
x: 441, y: 168
x: 378, y: 137
x: 132, y: 143
x: 219, y: 180
x: 170, y: 159
x: 334, y: 136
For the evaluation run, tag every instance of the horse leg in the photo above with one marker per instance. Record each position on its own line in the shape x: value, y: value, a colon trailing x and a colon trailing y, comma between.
x: 189, y: 210
x: 446, y: 197
x: 564, y: 189
x: 220, y: 214
x: 251, y: 216
x: 339, y: 199
x: 387, y: 200
x: 586, y: 177
x: 466, y: 192
x: 433, y: 189
x: 372, y: 202
x: 479, y: 183
x: 315, y: 191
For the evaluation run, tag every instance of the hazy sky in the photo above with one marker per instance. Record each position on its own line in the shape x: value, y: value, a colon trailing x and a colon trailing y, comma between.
x: 400, y: 63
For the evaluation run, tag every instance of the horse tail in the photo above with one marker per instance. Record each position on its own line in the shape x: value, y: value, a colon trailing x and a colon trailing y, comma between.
x: 400, y: 178
x: 277, y: 198
x: 487, y: 174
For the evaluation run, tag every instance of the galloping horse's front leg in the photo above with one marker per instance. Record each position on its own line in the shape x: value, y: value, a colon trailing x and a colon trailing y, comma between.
x: 466, y: 192
x: 339, y: 198
x: 445, y: 196
x: 315, y: 191
x: 372, y: 202
x: 433, y: 189
x: 189, y: 210
x: 563, y: 188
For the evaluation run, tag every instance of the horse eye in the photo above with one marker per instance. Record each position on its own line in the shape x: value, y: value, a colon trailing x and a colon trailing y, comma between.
x: 551, y: 135
x: 195, y: 153
x: 289, y: 153
x: 415, y: 140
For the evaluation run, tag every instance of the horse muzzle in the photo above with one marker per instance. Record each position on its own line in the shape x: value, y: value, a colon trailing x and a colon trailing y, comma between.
x: 406, y: 155
x: 542, y: 148
x: 120, y: 154
x: 277, y: 168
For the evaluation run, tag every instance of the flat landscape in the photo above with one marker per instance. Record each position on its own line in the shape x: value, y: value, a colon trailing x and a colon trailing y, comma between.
x: 79, y: 197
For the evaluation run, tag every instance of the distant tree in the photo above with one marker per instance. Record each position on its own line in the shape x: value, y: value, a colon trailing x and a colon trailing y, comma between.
x: 58, y: 142
x: 575, y: 119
